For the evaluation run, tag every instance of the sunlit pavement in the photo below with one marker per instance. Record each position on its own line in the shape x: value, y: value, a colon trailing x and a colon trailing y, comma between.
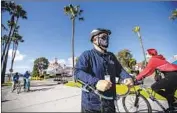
x: 45, y: 97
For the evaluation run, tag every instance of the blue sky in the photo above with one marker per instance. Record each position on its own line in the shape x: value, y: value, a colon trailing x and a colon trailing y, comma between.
x: 47, y: 31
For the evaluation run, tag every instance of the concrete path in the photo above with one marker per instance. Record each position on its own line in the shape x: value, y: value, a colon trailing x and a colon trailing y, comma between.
x: 48, y: 97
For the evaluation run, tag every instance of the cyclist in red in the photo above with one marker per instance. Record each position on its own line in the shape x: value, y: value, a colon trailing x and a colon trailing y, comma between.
x: 169, y: 82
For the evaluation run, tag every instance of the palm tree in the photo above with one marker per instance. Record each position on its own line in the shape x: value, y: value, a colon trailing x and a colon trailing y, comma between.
x: 74, y: 12
x: 16, y: 12
x: 137, y: 30
x: 3, y: 41
x: 174, y: 15
x: 15, y: 39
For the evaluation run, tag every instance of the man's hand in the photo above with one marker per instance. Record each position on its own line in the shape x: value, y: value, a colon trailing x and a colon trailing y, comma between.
x: 128, y: 81
x: 103, y: 85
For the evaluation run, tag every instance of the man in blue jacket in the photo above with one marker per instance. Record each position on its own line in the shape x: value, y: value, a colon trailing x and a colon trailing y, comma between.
x: 27, y: 80
x: 15, y: 80
x: 99, y: 68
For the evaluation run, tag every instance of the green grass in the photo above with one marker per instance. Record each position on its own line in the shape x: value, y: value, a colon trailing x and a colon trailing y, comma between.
x: 122, y: 89
x: 7, y: 84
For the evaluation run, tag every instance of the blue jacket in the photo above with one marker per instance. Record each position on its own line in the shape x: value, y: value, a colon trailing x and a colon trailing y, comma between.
x: 90, y: 68
x: 16, y: 77
x: 26, y: 75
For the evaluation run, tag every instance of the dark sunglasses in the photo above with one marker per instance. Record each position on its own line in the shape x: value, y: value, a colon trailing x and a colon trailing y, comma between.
x: 104, y: 37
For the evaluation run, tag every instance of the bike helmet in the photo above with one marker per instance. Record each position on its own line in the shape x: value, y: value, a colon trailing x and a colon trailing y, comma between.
x: 99, y: 31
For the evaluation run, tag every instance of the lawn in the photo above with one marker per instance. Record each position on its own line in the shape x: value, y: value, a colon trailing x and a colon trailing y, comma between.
x: 121, y: 89
x: 9, y: 83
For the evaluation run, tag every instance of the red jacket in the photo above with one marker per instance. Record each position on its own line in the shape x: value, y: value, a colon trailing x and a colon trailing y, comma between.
x: 156, y: 62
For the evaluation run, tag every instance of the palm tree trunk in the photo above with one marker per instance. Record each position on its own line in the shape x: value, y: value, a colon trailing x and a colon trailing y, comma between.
x: 8, y: 41
x: 13, y: 56
x: 73, y: 31
x: 5, y: 46
x: 4, y: 65
x: 141, y: 43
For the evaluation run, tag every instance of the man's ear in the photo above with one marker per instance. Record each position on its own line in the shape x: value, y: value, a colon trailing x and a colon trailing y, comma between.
x: 94, y: 39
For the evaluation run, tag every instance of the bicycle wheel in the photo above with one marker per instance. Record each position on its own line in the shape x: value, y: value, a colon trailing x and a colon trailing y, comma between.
x: 18, y: 88
x: 134, y: 103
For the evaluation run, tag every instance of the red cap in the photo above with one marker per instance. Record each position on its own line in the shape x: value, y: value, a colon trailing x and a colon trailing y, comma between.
x: 152, y: 52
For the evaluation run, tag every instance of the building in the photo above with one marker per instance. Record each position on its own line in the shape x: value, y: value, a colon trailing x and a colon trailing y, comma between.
x: 54, y: 67
x: 58, y: 68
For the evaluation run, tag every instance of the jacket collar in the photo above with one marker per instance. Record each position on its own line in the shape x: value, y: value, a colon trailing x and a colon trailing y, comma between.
x: 100, y: 53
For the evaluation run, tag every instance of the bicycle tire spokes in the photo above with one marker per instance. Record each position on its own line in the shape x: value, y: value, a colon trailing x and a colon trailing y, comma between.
x: 136, y: 103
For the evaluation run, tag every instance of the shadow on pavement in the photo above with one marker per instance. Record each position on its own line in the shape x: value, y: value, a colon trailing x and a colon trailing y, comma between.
x: 157, y: 111
x: 42, y: 89
x: 5, y: 100
x: 36, y: 85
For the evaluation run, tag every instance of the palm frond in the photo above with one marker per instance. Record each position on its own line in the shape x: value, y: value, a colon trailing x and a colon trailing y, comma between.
x: 136, y: 29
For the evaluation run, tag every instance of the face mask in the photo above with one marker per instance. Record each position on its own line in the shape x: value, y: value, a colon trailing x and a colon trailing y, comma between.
x: 148, y: 57
x: 103, y: 41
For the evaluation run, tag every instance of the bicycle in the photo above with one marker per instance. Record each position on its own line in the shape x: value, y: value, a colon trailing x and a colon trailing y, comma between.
x: 89, y: 88
x: 151, y: 97
x: 17, y: 87
x: 27, y: 84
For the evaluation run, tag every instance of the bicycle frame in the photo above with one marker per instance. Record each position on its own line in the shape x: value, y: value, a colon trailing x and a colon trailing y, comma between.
x: 152, y: 97
x: 86, y: 86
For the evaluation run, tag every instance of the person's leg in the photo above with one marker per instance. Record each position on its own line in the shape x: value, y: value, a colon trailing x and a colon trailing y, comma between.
x: 27, y: 84
x: 13, y: 85
x: 169, y: 85
x: 158, y: 86
x: 24, y: 85
x: 170, y: 95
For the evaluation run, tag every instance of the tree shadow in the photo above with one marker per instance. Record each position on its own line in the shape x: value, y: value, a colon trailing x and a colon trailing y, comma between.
x: 5, y: 101
x: 43, y: 85
x: 42, y: 89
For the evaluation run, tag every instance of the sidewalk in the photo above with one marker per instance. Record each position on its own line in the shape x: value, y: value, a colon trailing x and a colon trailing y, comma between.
x: 57, y: 98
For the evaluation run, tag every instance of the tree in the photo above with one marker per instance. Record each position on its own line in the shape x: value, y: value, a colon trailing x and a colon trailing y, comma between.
x: 137, y: 30
x: 16, y: 12
x: 173, y: 15
x: 40, y: 64
x: 74, y: 12
x: 35, y: 72
x: 77, y: 58
x: 126, y: 59
x: 16, y: 38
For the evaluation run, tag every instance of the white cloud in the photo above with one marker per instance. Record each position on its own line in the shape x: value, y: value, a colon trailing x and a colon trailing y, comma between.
x: 18, y: 57
x: 62, y: 62
x: 70, y: 61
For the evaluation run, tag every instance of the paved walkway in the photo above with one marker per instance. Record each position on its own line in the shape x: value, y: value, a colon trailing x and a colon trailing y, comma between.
x: 45, y: 97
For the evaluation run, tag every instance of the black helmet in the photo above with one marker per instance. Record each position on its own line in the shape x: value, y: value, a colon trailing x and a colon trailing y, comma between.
x: 98, y: 31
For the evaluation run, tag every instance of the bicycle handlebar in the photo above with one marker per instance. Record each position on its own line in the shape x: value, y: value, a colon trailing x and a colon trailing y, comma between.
x: 87, y: 87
